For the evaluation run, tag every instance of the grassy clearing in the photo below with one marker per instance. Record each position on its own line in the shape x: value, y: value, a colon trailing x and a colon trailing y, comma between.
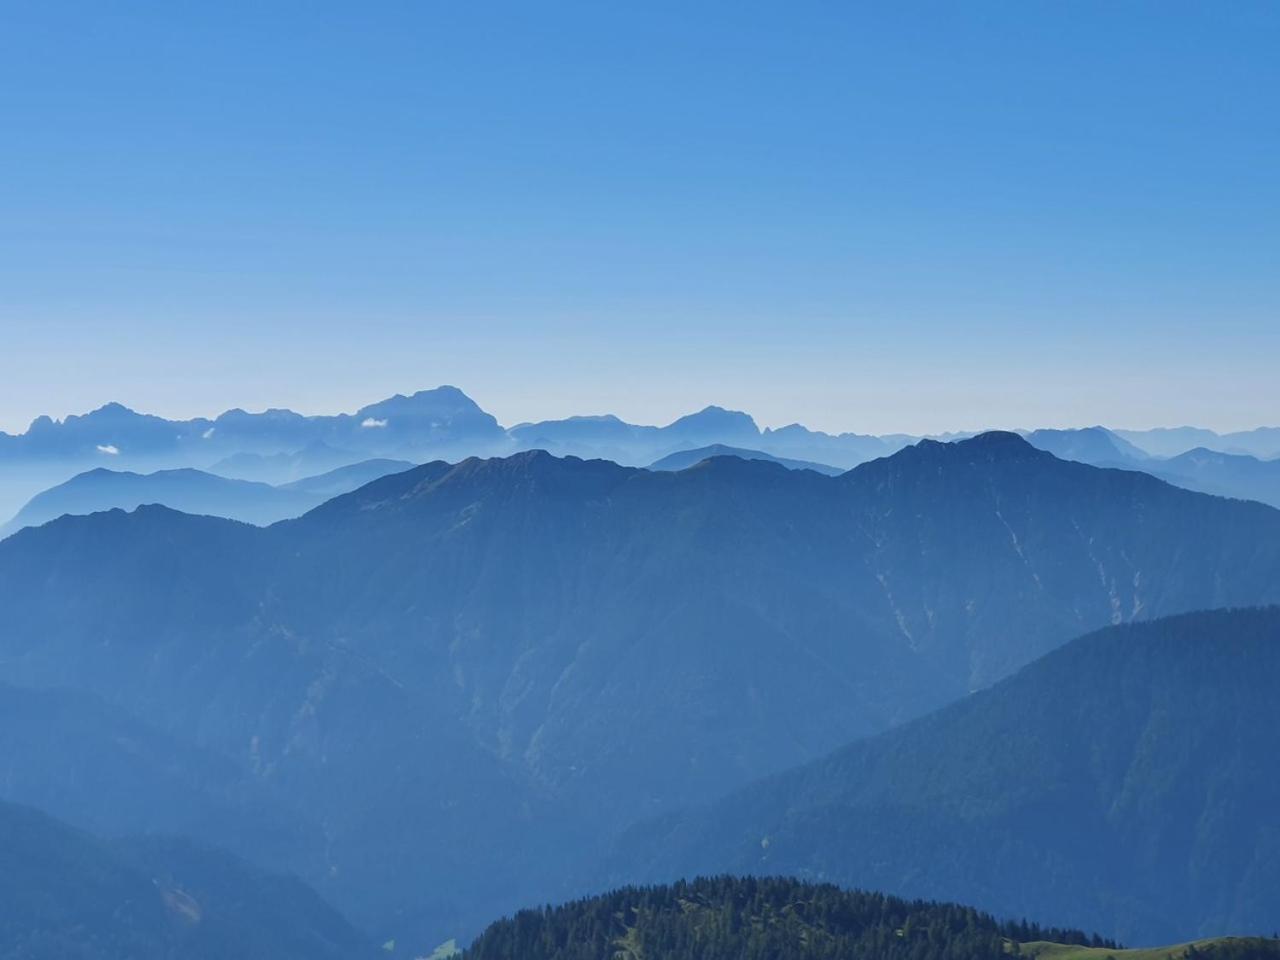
x: 1043, y: 950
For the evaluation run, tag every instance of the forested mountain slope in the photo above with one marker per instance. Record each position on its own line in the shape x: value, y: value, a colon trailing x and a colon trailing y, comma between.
x: 1125, y: 783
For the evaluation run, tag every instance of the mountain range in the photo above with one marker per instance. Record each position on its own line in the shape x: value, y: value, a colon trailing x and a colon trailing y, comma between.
x: 467, y: 678
x: 197, y: 492
x: 279, y: 446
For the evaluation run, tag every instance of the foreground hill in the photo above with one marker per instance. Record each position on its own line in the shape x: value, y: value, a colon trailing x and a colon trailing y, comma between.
x: 1124, y: 783
x: 472, y: 675
x: 725, y: 918
x: 66, y: 894
x: 729, y: 918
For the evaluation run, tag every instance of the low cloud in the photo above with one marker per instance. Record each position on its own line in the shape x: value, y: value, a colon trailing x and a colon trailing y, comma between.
x: 369, y: 422
x: 109, y: 448
x: 208, y: 433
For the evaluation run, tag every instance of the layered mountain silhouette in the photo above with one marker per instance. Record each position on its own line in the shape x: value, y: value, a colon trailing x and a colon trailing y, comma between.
x: 279, y: 446
x: 472, y: 675
x: 1223, y: 474
x: 1263, y: 442
x: 427, y: 419
x: 1096, y: 445
x: 689, y: 458
x: 66, y: 893
x: 1239, y: 476
x: 1125, y: 781
x: 197, y: 492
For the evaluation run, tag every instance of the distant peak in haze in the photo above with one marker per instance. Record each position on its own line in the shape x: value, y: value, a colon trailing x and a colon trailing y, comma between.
x: 112, y: 407
x: 729, y: 422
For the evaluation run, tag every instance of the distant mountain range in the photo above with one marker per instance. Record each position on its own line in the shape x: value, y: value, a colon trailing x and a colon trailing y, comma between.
x: 279, y: 446
x: 430, y: 419
x: 197, y: 492
x: 1125, y: 780
x: 1263, y: 442
x: 471, y: 676
x: 1207, y: 471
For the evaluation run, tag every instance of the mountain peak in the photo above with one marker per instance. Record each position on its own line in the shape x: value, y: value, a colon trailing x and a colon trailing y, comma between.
x: 1003, y: 441
x: 724, y: 423
x: 440, y: 411
x: 110, y: 411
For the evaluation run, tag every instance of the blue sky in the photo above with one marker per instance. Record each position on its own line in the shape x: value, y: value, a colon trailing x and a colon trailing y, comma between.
x: 875, y: 217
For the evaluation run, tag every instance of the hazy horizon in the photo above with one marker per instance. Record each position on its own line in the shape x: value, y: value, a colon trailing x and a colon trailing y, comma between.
x: 885, y: 219
x: 823, y: 421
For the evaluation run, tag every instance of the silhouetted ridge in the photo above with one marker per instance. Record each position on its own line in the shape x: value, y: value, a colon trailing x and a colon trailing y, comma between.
x: 385, y: 491
x: 730, y: 918
x: 994, y: 446
x: 536, y: 471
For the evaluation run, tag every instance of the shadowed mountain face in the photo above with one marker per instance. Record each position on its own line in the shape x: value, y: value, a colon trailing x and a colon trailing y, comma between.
x: 68, y: 894
x: 1125, y: 781
x: 472, y: 674
x: 83, y: 760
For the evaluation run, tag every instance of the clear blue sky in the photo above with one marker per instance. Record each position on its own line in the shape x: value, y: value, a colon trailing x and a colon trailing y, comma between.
x: 888, y: 216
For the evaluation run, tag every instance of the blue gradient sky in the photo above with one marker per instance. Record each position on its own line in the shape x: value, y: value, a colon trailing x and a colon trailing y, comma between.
x: 874, y: 217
